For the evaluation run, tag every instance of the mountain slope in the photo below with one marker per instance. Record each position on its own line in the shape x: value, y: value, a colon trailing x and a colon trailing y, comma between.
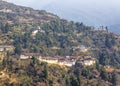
x: 99, y: 14
x: 56, y: 32
x: 35, y: 32
x: 12, y: 13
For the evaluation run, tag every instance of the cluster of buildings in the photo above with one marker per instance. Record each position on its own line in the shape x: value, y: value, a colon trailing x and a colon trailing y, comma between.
x: 87, y: 61
x: 59, y: 60
x: 52, y: 60
x: 64, y: 61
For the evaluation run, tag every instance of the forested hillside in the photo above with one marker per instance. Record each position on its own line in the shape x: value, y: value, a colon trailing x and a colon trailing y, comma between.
x: 33, y: 31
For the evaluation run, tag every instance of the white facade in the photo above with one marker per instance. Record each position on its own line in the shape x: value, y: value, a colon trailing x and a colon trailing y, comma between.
x: 6, y: 47
x: 48, y: 60
x: 88, y: 62
x: 64, y: 62
x: 24, y: 57
x: 34, y: 32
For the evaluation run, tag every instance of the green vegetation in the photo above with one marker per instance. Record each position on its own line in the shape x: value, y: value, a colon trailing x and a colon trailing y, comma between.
x: 54, y: 37
x: 33, y: 72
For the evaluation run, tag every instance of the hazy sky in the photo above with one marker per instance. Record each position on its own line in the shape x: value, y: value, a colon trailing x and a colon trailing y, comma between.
x: 73, y: 3
x: 78, y: 5
x: 31, y: 3
x: 89, y: 11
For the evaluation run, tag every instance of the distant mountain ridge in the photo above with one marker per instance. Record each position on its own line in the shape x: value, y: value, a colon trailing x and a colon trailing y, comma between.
x: 115, y: 28
x: 90, y: 15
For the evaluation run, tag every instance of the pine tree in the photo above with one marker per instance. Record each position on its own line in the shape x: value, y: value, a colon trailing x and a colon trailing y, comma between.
x: 103, y: 74
x: 17, y: 49
x: 46, y: 72
x: 114, y: 79
x: 73, y: 81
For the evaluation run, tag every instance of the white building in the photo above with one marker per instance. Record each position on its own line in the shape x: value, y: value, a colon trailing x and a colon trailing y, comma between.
x: 6, y: 48
x: 29, y: 55
x: 34, y: 32
x: 24, y: 57
x: 88, y: 61
x: 49, y: 60
x: 60, y: 61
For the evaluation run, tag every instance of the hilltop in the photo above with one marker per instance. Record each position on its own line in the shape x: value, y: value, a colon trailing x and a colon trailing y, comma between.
x: 18, y: 14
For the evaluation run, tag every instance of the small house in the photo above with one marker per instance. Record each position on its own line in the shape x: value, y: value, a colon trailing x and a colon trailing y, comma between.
x: 24, y: 57
x: 49, y: 60
x: 28, y: 55
x: 87, y: 61
x: 6, y: 48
